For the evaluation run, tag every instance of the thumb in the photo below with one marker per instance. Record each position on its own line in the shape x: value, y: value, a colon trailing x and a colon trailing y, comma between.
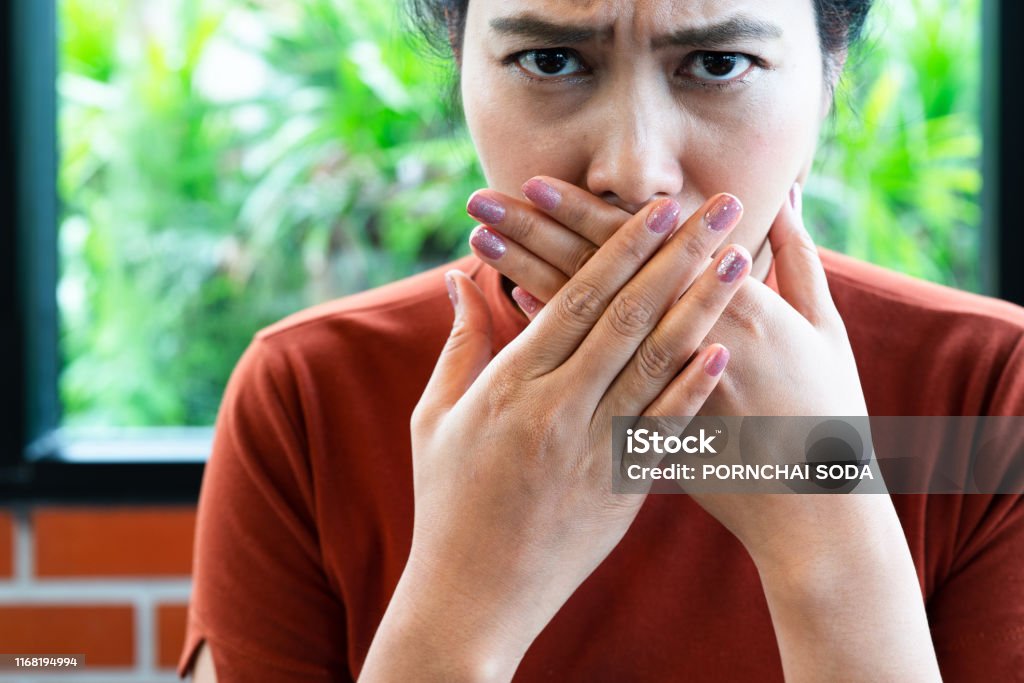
x: 468, y: 349
x: 798, y: 270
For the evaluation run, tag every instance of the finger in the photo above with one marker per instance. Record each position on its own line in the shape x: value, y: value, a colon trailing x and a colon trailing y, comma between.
x: 798, y: 270
x: 533, y: 229
x: 587, y: 215
x: 668, y: 348
x: 526, y: 269
x: 692, y: 387
x: 467, y: 351
x: 533, y: 273
x: 572, y: 313
x: 639, y: 307
x: 528, y: 303
x: 515, y: 262
x: 755, y: 312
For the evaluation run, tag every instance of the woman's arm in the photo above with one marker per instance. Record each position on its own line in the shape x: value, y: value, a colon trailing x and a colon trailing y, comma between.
x: 511, y: 459
x: 846, y: 604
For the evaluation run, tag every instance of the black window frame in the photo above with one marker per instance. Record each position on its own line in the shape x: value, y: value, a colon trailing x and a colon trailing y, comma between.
x: 31, y: 467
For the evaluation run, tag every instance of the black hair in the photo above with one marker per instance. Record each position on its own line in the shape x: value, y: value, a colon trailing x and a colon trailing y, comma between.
x: 442, y: 23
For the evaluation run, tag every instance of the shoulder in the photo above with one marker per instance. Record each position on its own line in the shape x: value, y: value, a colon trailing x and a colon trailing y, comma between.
x: 924, y: 348
x: 866, y: 287
x: 351, y: 357
x: 411, y: 300
x: 400, y: 297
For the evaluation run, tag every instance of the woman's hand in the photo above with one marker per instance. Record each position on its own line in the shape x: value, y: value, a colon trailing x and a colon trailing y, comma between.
x: 512, y: 455
x: 790, y: 355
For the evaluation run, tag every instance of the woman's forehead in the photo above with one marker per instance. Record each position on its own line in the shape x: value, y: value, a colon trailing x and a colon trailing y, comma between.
x: 653, y: 24
x: 607, y: 13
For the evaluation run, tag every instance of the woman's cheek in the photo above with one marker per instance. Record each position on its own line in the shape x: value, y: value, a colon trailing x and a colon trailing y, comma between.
x: 737, y: 157
x: 774, y: 154
x: 514, y: 144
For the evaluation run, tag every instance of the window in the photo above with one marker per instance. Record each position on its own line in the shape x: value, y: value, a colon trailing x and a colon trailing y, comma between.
x: 179, y: 174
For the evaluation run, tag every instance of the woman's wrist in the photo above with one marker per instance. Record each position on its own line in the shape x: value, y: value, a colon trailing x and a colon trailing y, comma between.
x: 435, y: 630
x: 843, y: 547
x: 850, y: 608
x: 809, y: 529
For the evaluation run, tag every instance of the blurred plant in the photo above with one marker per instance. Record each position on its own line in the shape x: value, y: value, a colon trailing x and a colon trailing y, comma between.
x: 898, y: 179
x: 226, y: 162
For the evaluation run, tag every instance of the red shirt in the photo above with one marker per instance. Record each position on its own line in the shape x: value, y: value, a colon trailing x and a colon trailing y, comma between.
x: 306, y: 512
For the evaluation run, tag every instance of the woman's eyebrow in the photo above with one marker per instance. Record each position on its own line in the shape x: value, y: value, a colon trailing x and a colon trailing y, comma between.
x: 723, y: 33
x: 531, y: 26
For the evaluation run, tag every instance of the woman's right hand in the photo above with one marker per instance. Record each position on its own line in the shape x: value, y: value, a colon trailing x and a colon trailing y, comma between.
x: 512, y: 462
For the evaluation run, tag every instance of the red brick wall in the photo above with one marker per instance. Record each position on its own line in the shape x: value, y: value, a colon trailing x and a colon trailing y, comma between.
x: 108, y: 582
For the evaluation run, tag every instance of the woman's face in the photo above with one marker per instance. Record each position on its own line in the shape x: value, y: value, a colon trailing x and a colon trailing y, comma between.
x: 638, y: 100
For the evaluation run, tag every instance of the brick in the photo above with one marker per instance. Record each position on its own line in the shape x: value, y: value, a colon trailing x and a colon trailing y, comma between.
x: 170, y: 633
x: 116, y: 541
x: 103, y: 633
x: 6, y: 544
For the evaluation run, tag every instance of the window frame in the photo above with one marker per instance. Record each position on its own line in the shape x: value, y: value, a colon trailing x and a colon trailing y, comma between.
x: 1003, y: 174
x: 31, y: 464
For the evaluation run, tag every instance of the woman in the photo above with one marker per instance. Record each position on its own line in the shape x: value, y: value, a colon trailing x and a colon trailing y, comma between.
x: 660, y: 147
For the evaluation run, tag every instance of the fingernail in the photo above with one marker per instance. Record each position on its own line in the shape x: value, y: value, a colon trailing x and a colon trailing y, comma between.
x: 731, y: 265
x: 528, y: 302
x: 664, y: 217
x: 488, y: 243
x: 485, y: 209
x: 716, y: 364
x: 541, y: 194
x: 796, y: 197
x: 724, y: 214
x: 453, y: 289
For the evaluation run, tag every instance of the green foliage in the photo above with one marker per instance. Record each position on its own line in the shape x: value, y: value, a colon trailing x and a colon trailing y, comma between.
x: 224, y: 164
x: 898, y: 180
x: 227, y: 162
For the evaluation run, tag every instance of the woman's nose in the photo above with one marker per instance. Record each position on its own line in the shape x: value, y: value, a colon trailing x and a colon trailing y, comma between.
x: 636, y: 155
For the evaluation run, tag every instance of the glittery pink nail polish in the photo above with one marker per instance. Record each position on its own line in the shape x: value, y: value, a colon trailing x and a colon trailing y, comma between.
x: 731, y: 265
x: 796, y: 199
x: 528, y: 302
x: 541, y: 194
x: 488, y: 243
x: 725, y: 213
x: 664, y: 217
x: 485, y: 209
x: 716, y: 364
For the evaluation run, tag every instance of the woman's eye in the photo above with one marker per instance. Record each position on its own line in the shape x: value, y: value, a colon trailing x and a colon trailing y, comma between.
x: 719, y: 66
x: 549, y: 63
